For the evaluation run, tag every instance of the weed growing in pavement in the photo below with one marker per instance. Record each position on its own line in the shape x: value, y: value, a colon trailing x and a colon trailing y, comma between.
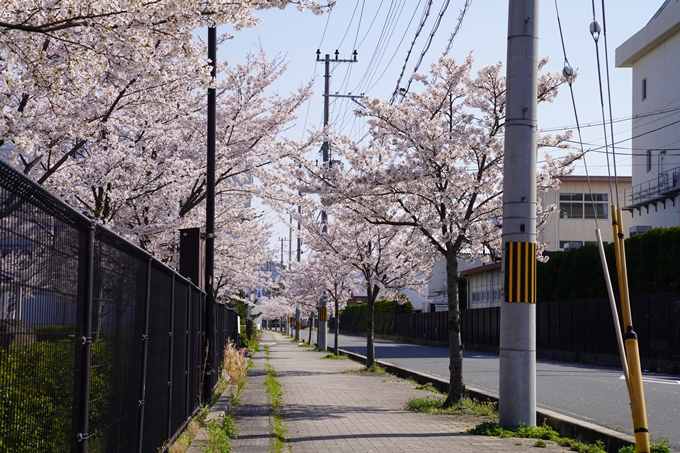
x: 427, y: 386
x: 184, y: 440
x: 220, y: 433
x: 375, y: 368
x: 542, y: 433
x: 466, y: 406
x: 276, y: 397
x: 336, y: 357
x: 655, y: 447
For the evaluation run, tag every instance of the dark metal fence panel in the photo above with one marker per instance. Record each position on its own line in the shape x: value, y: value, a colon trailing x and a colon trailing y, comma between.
x: 72, y: 370
x: 576, y: 326
x: 197, y: 350
x: 180, y: 347
x: 117, y: 319
x: 606, y: 339
x: 564, y: 314
x: 579, y: 326
x: 590, y: 326
x: 38, y: 308
x: 673, y: 302
x: 155, y: 401
x: 639, y: 310
x: 657, y: 326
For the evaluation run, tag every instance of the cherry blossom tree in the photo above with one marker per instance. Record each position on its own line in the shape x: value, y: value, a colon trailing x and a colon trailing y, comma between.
x: 381, y: 259
x: 104, y: 103
x: 434, y: 167
x: 318, y: 275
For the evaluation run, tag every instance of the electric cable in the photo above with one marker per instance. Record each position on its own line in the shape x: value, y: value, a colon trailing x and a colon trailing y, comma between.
x: 609, y: 98
x: 595, y: 31
x: 459, y: 23
x: 426, y: 13
x: 426, y: 48
x: 568, y: 73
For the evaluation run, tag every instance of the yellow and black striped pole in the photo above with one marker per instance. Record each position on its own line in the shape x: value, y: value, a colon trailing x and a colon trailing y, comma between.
x: 520, y: 275
x: 635, y: 389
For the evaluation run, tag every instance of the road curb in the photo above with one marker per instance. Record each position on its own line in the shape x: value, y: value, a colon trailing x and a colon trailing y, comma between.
x: 566, y: 426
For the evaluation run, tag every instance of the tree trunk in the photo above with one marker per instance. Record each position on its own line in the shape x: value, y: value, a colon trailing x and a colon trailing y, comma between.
x: 337, y: 327
x: 311, y: 324
x: 370, y: 343
x: 456, y: 385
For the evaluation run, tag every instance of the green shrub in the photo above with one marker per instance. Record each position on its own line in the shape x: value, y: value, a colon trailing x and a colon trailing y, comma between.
x: 353, y: 318
x: 652, y: 260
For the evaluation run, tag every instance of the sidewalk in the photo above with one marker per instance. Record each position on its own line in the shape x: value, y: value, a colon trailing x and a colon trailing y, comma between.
x: 328, y: 409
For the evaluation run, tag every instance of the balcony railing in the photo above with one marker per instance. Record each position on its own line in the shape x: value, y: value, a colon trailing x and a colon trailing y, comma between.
x: 665, y: 187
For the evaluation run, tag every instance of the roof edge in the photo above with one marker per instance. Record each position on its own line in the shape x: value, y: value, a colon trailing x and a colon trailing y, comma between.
x: 663, y: 25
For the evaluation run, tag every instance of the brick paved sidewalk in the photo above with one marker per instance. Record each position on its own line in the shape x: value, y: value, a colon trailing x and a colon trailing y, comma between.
x: 328, y: 409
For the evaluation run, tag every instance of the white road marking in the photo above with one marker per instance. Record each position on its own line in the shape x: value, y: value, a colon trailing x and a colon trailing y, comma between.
x: 657, y: 380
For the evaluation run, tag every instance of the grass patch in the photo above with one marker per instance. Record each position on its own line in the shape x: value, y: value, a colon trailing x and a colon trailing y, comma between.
x: 375, y: 368
x: 336, y: 357
x: 276, y: 397
x: 234, y: 371
x: 427, y: 386
x: 466, y: 406
x: 654, y: 447
x: 184, y: 440
x: 220, y: 434
x: 542, y: 434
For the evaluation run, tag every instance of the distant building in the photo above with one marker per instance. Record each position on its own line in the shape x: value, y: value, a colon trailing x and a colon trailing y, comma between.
x: 573, y: 225
x: 654, y: 55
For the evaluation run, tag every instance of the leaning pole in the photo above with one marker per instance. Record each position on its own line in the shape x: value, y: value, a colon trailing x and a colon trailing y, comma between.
x: 517, y: 386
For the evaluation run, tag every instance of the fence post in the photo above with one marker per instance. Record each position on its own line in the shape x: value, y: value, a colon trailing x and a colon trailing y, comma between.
x: 86, y: 339
x: 171, y: 349
x: 187, y: 356
x: 145, y: 346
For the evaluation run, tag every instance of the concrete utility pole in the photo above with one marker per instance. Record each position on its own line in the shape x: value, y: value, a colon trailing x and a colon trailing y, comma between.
x: 517, y: 386
x: 210, y: 330
x: 322, y: 335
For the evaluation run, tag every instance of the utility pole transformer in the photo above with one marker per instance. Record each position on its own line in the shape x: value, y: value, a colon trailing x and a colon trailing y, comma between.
x: 322, y: 341
x: 517, y: 386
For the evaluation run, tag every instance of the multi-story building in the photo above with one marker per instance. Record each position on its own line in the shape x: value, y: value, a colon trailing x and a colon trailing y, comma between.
x: 579, y: 201
x: 654, y: 55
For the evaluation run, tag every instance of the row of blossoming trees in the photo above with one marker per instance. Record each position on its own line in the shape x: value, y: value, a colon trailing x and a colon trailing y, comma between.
x: 104, y: 103
x: 427, y: 186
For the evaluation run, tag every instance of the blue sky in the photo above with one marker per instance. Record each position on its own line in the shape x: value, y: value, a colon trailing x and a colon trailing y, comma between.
x: 382, y: 31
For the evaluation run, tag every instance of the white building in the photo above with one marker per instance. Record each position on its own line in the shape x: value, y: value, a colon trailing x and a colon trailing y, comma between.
x: 654, y: 55
x: 579, y: 201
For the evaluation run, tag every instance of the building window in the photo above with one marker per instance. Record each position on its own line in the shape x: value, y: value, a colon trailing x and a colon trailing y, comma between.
x: 571, y: 243
x: 644, y: 89
x: 649, y: 160
x: 583, y: 206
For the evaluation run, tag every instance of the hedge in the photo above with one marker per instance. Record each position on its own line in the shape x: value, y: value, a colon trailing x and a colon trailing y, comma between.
x: 353, y: 317
x: 652, y: 259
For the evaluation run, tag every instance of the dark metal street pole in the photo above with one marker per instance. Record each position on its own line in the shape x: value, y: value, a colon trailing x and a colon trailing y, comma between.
x: 210, y: 219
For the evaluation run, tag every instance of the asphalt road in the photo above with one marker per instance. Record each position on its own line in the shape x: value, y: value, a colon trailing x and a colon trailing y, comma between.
x: 594, y: 394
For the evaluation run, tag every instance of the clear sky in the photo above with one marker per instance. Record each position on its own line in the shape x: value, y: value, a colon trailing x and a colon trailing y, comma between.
x: 382, y: 32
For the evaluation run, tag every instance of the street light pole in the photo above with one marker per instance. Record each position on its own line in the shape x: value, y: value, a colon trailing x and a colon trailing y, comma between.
x: 210, y: 222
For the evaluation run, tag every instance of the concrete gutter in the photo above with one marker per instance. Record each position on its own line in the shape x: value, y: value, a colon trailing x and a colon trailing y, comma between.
x: 566, y: 426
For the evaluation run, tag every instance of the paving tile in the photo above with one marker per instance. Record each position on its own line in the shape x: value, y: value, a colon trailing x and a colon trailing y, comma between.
x: 327, y: 408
